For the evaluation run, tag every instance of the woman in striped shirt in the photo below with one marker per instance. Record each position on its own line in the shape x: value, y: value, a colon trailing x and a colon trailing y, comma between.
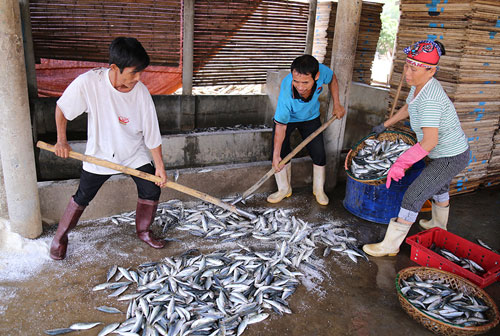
x: 440, y: 137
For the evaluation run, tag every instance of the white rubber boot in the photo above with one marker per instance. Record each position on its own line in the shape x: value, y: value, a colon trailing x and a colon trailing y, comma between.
x: 318, y: 183
x: 283, y: 181
x: 394, y: 236
x: 439, y: 218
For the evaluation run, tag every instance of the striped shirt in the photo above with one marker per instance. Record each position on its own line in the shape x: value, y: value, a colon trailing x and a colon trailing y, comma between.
x: 432, y: 108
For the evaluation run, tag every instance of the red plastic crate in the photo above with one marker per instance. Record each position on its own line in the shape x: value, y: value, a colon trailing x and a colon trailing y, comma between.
x: 422, y: 255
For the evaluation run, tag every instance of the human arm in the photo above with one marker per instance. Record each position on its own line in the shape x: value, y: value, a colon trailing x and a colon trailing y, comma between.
x: 159, y: 166
x: 62, y: 148
x: 414, y: 154
x: 400, y: 115
x: 279, y: 136
x: 333, y: 86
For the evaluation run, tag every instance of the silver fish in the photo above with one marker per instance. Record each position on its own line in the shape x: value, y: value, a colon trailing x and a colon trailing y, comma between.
x: 375, y: 158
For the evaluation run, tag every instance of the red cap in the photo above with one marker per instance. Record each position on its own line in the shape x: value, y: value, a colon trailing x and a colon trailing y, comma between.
x: 425, y: 53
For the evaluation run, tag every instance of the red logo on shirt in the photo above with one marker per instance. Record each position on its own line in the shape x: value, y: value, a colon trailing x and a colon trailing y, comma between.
x: 319, y: 89
x: 123, y: 120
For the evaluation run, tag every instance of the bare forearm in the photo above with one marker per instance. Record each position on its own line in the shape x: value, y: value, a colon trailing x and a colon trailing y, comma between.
x: 400, y: 115
x: 61, y: 124
x: 338, y: 110
x: 158, y: 158
x: 430, y: 139
x: 334, y: 90
x: 279, y: 137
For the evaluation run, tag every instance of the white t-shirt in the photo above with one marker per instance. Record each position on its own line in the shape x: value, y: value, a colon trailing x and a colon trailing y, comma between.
x: 122, y: 126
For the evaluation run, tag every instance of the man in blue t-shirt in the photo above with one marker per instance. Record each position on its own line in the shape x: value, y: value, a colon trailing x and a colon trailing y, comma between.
x: 298, y: 108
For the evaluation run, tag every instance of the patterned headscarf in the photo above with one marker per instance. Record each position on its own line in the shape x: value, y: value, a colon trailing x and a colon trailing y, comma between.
x: 425, y: 53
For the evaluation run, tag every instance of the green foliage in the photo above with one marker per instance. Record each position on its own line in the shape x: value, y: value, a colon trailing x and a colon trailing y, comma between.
x: 390, y: 23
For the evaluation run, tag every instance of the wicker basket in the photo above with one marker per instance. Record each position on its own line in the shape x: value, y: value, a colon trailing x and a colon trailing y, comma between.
x: 456, y: 283
x: 387, y: 135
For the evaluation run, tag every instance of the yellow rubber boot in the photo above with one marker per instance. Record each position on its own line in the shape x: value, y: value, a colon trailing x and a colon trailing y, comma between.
x: 394, y: 236
x: 439, y: 218
x: 283, y: 181
x: 318, y: 184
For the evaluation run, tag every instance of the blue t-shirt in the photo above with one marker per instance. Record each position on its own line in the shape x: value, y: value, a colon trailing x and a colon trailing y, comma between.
x: 296, y: 110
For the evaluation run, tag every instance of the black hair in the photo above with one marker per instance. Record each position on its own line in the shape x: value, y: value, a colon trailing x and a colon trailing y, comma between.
x: 128, y: 52
x: 441, y: 46
x: 305, y: 64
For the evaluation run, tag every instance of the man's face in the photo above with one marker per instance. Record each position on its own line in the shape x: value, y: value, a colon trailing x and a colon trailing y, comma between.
x: 126, y: 80
x: 303, y: 83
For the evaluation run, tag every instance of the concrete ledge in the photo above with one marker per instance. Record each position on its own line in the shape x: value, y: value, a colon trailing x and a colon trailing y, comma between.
x: 183, y: 151
x: 119, y: 193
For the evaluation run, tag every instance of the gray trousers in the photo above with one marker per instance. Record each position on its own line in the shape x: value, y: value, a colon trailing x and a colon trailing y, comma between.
x: 434, y: 181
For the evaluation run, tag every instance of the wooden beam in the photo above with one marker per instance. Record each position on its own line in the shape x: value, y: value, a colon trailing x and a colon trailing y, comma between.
x: 343, y: 54
x: 311, y: 22
x: 187, y: 47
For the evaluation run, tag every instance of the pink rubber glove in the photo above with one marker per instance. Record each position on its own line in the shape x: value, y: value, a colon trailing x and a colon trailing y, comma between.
x: 406, y: 160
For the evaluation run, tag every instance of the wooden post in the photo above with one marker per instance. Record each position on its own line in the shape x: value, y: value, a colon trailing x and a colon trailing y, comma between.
x: 311, y: 22
x: 187, y: 47
x: 16, y: 142
x: 343, y: 54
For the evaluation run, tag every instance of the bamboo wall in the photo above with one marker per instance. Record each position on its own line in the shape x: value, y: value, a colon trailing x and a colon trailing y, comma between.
x: 236, y: 46
x: 469, y: 72
x: 81, y: 30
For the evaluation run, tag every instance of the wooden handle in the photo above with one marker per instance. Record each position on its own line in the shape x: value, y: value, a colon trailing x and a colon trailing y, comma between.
x: 395, y: 103
x: 146, y: 176
x: 288, y: 157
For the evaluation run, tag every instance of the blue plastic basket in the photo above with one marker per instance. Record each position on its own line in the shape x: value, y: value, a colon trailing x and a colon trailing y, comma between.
x: 371, y: 200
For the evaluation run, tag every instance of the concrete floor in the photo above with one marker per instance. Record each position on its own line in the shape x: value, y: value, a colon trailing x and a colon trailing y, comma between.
x: 343, y: 298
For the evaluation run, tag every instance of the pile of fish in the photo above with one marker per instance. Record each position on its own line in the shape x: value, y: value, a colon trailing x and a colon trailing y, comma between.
x: 435, y: 298
x: 223, y: 292
x: 376, y: 157
x: 219, y: 293
x: 211, y: 222
x: 466, y: 263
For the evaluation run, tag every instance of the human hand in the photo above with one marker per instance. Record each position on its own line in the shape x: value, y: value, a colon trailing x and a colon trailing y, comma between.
x: 276, y: 161
x: 339, y: 111
x: 378, y: 129
x: 163, y: 174
x: 396, y: 173
x: 62, y: 149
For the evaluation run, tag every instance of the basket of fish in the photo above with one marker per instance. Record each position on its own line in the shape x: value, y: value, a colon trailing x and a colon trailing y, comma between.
x: 441, y: 249
x: 370, y: 159
x: 445, y: 303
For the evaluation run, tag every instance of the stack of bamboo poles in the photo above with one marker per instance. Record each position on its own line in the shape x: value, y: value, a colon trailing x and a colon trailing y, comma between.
x: 469, y: 73
x: 369, y: 32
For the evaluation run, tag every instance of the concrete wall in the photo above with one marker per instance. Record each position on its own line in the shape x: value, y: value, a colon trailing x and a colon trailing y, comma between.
x: 184, y: 150
x: 176, y: 113
x: 179, y: 151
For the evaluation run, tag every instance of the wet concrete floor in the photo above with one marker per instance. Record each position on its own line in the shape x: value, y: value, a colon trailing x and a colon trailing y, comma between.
x: 342, y: 298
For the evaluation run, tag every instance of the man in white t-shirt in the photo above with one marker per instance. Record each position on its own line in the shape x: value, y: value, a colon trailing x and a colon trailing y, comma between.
x: 122, y: 128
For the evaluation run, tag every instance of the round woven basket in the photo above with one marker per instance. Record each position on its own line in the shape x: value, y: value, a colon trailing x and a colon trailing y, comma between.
x: 456, y: 283
x: 387, y: 135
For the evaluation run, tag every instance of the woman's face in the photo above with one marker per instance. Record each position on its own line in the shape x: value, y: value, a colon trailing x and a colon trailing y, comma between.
x: 418, y: 76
